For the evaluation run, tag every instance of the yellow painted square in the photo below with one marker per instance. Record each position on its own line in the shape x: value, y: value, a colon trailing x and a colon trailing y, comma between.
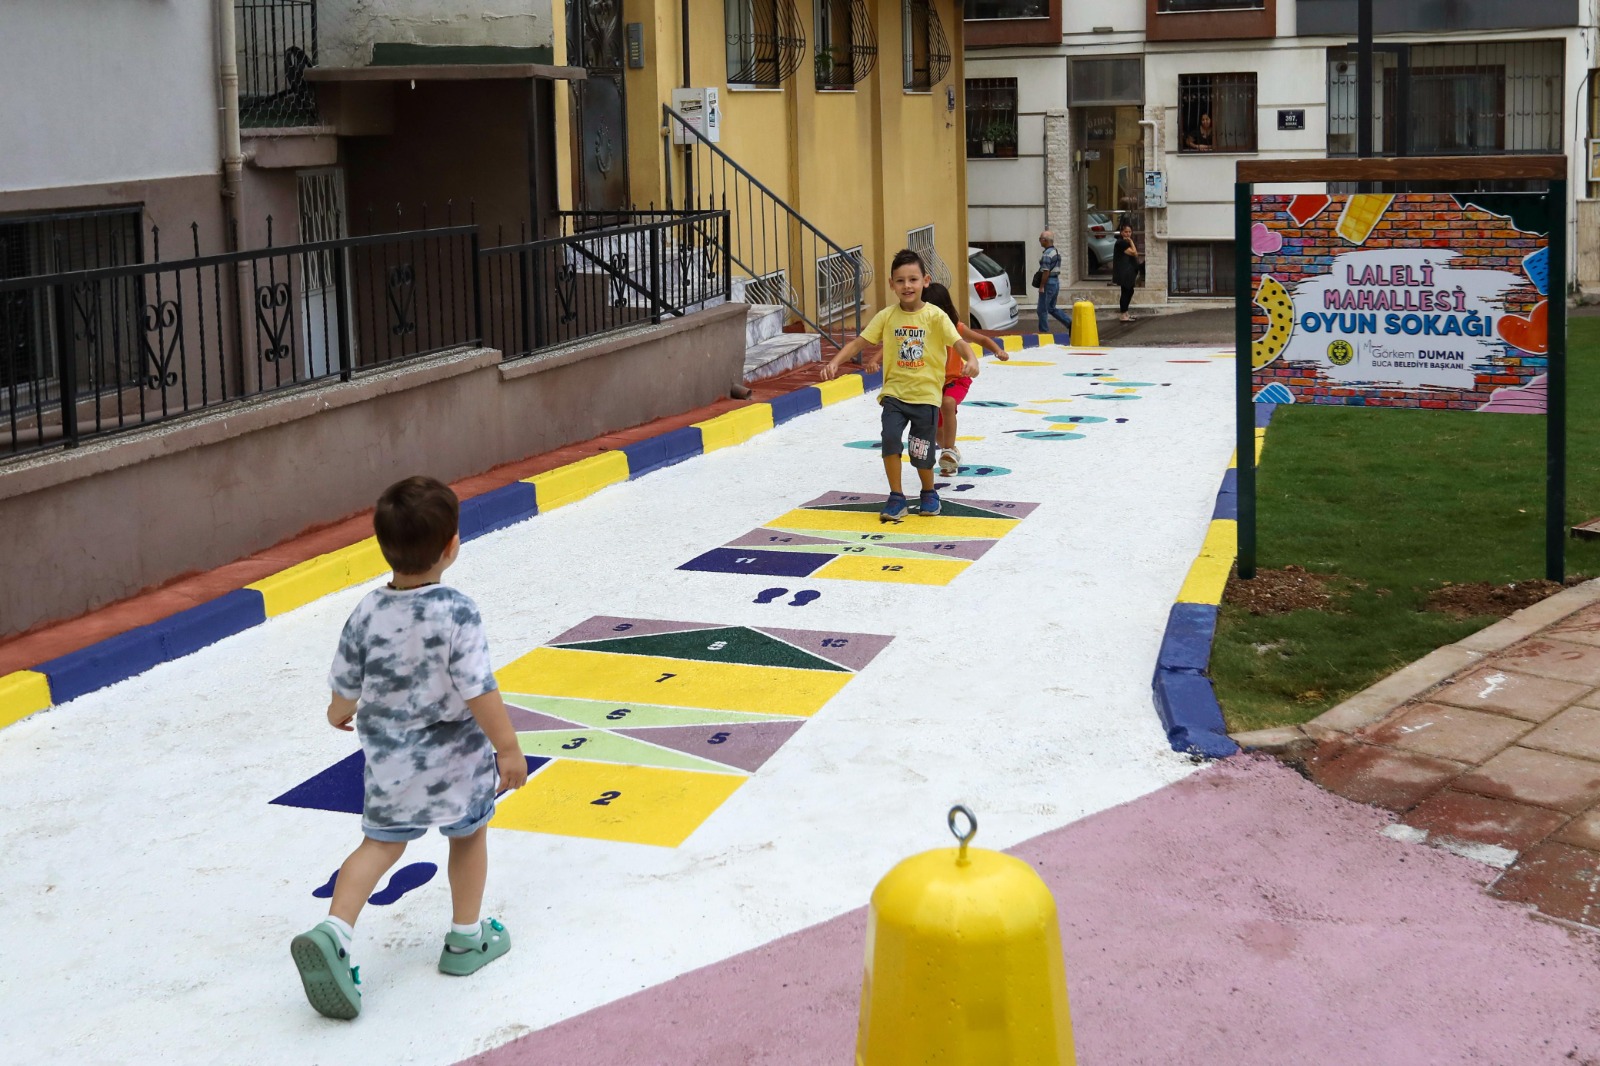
x: 596, y: 675
x: 21, y: 694
x: 868, y: 522
x: 643, y: 805
x: 901, y: 571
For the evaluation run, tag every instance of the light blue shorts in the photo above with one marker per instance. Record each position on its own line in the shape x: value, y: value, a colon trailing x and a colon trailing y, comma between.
x: 475, y: 820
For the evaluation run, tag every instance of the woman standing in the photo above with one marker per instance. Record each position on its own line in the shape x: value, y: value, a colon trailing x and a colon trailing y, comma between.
x: 1125, y: 267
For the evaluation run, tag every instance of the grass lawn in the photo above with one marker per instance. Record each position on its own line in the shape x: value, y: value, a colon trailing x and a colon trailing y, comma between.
x: 1395, y: 504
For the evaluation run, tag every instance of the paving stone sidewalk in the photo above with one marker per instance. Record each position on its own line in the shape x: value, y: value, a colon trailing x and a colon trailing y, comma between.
x: 1489, y: 747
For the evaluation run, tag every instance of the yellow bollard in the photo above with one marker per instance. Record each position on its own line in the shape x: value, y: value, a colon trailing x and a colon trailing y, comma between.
x: 964, y: 964
x: 1085, y: 330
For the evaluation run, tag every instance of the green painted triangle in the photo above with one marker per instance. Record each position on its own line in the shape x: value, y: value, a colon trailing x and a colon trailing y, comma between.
x: 846, y: 537
x: 601, y: 714
x: 948, y: 509
x: 598, y: 745
x: 730, y: 644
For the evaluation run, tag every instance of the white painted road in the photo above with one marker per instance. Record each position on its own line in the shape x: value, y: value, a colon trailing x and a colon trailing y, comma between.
x: 150, y: 890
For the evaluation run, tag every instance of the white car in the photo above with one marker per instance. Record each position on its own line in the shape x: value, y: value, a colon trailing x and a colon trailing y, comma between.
x: 989, y: 292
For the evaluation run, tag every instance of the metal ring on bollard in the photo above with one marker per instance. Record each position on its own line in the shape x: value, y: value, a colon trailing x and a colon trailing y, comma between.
x: 972, y: 830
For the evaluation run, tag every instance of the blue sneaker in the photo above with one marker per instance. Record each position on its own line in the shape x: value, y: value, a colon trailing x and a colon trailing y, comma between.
x: 929, y: 503
x: 895, y: 509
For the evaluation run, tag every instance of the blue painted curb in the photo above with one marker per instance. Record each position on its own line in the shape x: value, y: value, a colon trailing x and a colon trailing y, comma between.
x: 1189, y: 710
x: 663, y: 450
x: 1186, y: 648
x: 1264, y: 413
x: 129, y: 654
x: 497, y: 509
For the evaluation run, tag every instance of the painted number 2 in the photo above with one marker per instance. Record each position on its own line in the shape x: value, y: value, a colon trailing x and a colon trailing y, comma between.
x: 605, y: 799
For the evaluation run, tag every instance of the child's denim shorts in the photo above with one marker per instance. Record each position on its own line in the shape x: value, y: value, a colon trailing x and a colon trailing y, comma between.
x: 475, y: 820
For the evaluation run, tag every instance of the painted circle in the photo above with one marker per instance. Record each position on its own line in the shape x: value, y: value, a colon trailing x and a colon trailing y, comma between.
x: 1081, y: 420
x: 1113, y: 397
x: 1133, y: 384
x: 982, y: 471
x: 864, y: 444
x: 1050, y: 434
x: 986, y: 403
x: 1340, y: 353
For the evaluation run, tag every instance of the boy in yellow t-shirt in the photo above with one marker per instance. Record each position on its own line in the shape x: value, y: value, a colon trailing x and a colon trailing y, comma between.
x: 916, y: 339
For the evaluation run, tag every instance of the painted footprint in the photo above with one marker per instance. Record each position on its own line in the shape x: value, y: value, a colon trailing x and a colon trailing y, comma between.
x: 402, y: 881
x: 804, y: 596
x: 768, y: 595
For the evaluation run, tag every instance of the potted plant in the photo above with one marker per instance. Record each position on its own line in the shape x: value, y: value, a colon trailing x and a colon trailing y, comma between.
x: 1000, y: 140
x: 824, y: 68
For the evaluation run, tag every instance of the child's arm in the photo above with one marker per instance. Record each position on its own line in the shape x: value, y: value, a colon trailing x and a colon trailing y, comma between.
x: 972, y: 336
x: 971, y: 359
x: 830, y: 369
x: 340, y: 710
x: 490, y: 711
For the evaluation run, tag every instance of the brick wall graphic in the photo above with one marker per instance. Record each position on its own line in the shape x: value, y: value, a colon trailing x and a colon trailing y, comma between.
x: 1417, y: 300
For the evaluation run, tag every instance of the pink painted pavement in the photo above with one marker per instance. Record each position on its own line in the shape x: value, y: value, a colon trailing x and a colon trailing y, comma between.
x: 1242, y: 917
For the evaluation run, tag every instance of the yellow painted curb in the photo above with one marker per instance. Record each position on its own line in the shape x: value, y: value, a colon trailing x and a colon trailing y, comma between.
x: 317, y: 577
x: 1222, y: 539
x: 571, y: 483
x: 737, y: 426
x: 1207, y: 578
x: 1011, y: 343
x: 22, y: 693
x: 840, y: 388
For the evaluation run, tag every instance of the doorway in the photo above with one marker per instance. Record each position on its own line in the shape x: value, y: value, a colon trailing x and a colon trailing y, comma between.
x: 599, y: 105
x: 1111, y: 183
x: 322, y: 218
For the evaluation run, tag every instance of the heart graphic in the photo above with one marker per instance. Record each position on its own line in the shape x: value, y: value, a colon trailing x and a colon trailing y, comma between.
x: 1305, y: 208
x: 1531, y: 334
x: 1264, y: 241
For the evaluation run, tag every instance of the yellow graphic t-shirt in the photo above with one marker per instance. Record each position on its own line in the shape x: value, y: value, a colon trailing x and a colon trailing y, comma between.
x: 915, y: 345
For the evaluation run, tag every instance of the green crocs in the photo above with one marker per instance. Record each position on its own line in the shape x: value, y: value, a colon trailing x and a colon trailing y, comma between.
x: 469, y: 954
x: 331, y: 982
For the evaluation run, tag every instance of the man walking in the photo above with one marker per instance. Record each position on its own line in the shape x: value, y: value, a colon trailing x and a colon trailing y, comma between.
x: 1050, y: 283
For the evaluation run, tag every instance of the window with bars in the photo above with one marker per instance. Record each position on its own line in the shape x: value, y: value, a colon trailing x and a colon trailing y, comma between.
x: 922, y: 242
x: 1171, y: 7
x: 991, y: 117
x: 1200, y: 268
x: 1217, y: 112
x: 847, y: 45
x: 1457, y: 99
x: 1006, y: 9
x: 925, y: 48
x: 766, y: 42
x: 56, y: 243
x: 836, y: 283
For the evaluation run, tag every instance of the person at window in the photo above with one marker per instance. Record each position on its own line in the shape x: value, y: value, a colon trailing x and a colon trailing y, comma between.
x: 1125, y: 263
x: 1048, y: 282
x: 1202, y: 138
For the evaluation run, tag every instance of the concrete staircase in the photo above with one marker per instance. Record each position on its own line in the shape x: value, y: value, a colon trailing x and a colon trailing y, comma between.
x: 768, y: 351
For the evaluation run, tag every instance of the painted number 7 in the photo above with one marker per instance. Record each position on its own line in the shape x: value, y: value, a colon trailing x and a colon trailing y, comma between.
x: 663, y: 677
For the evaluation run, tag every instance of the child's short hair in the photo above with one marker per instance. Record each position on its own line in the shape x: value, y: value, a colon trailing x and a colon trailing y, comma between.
x: 939, y: 296
x: 415, y: 520
x: 905, y: 257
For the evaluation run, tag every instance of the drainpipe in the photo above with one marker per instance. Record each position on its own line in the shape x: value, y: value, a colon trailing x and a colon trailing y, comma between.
x: 232, y: 152
x: 683, y: 32
x: 1150, y: 153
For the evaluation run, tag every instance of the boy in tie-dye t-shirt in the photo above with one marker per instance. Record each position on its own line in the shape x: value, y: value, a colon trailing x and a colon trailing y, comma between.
x: 413, y: 672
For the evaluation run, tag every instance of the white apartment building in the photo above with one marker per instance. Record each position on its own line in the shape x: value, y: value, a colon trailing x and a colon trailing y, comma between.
x: 1085, y: 113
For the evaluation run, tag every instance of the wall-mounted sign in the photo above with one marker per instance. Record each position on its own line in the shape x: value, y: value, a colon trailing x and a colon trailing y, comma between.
x: 700, y: 108
x: 1155, y: 189
x: 1418, y: 300
x: 1292, y: 120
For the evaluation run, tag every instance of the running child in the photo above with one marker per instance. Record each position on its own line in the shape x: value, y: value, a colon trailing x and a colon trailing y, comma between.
x: 413, y: 672
x: 956, y: 382
x: 916, y: 339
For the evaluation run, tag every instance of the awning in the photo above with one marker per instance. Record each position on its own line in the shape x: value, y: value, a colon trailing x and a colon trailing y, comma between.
x: 447, y: 72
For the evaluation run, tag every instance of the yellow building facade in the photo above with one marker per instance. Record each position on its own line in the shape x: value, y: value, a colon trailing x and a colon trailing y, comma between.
x: 870, y: 157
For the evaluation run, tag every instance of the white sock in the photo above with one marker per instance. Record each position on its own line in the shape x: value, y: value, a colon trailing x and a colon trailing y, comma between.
x: 342, y: 930
x: 466, y: 930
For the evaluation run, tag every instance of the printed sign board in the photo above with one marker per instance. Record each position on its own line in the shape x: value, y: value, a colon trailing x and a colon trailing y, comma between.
x: 1413, y: 300
x: 700, y: 109
x: 1155, y: 189
x: 1292, y: 120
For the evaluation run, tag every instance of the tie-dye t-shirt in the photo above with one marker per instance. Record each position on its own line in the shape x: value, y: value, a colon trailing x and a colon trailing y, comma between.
x: 411, y: 659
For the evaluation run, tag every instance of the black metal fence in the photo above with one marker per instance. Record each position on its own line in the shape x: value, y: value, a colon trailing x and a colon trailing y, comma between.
x: 277, y: 43
x: 603, y: 277
x: 89, y: 352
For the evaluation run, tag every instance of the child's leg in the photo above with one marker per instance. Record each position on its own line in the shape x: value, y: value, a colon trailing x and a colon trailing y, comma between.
x: 469, y: 868
x: 947, y: 422
x: 927, y: 479
x: 895, y: 419
x: 360, y: 875
x: 891, y: 467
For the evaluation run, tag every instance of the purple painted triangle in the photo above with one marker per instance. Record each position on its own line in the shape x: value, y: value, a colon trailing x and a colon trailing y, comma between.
x: 745, y: 746
x: 524, y: 721
x: 763, y: 538
x: 605, y: 627
x: 855, y: 653
x: 834, y: 499
x: 950, y: 549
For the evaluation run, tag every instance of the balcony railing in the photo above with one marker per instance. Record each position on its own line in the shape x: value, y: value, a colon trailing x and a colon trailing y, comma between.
x: 277, y: 41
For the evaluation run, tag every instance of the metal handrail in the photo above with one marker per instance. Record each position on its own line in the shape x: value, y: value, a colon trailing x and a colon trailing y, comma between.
x: 758, y: 212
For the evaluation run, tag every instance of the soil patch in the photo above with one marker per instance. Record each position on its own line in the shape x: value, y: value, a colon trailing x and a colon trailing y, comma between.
x: 1280, y: 591
x: 1477, y: 598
